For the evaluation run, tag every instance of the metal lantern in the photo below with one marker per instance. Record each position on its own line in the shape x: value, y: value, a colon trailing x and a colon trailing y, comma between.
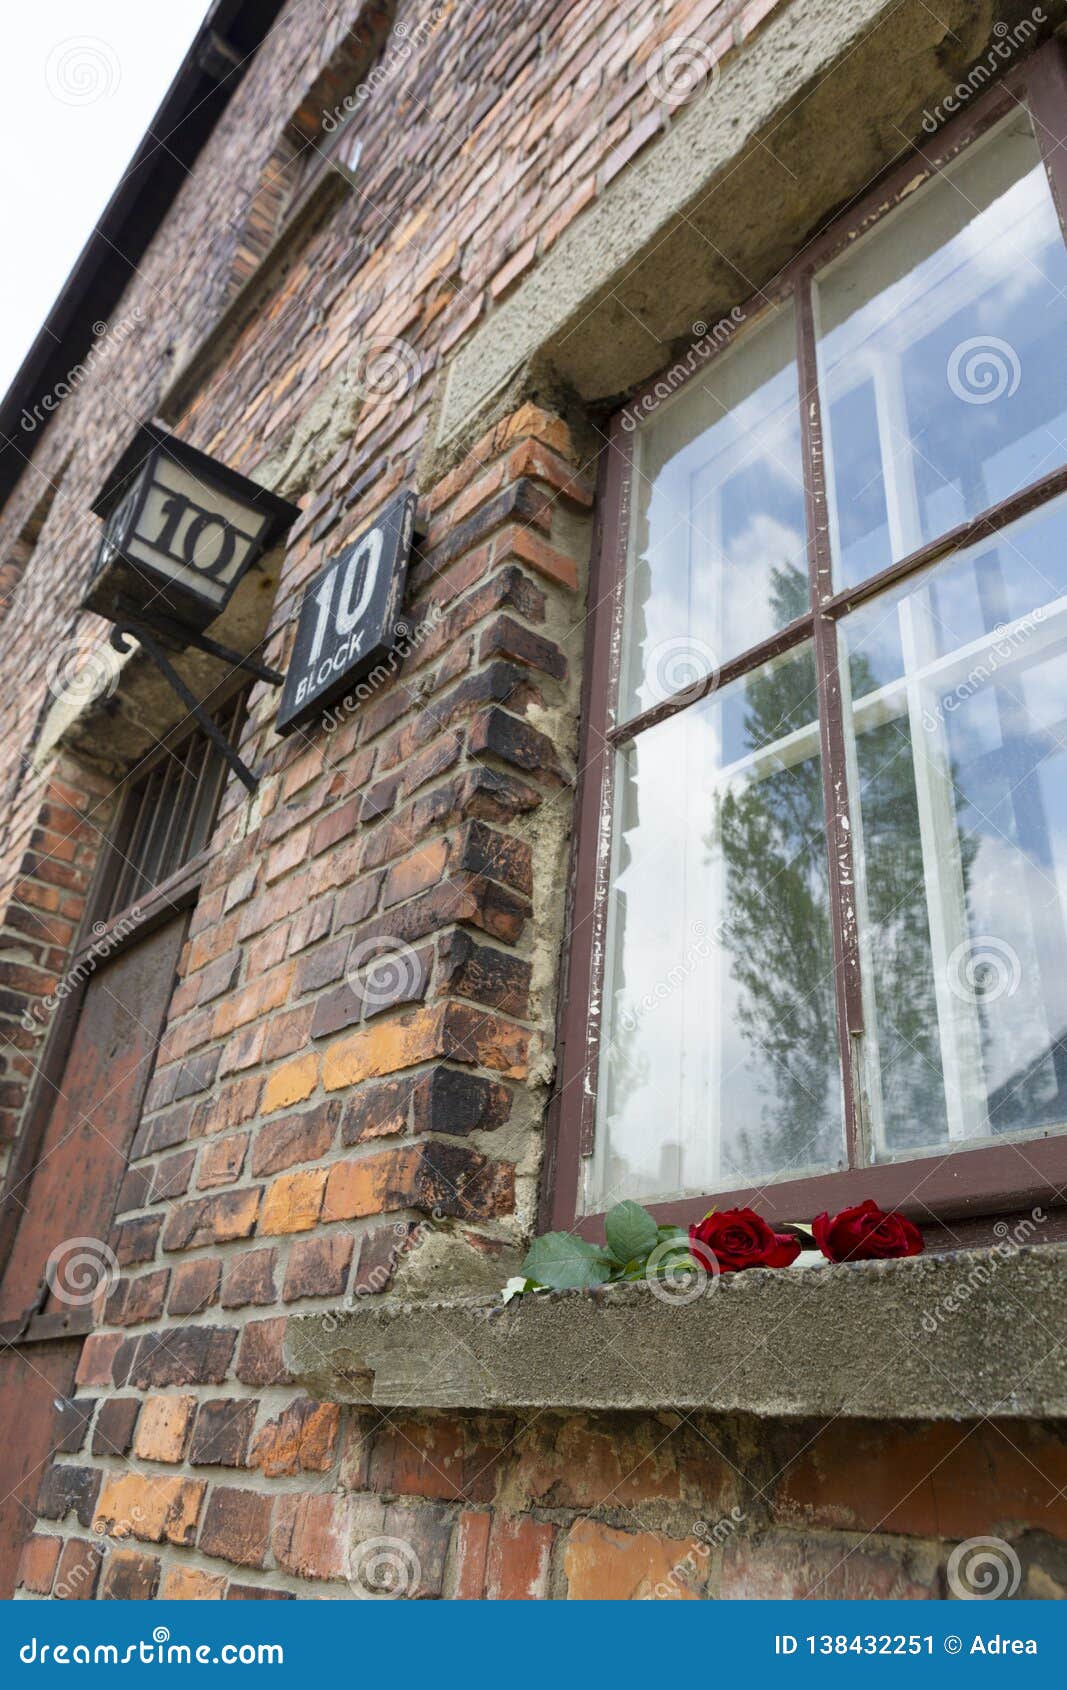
x: 180, y: 530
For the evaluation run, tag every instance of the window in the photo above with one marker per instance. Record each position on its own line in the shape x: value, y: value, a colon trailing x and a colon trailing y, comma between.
x: 819, y: 943
x: 167, y: 813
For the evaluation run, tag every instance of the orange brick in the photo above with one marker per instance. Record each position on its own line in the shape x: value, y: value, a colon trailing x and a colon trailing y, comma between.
x: 186, y: 1584
x: 300, y: 1440
x: 450, y: 1177
x: 602, y: 1565
x: 389, y: 1045
x: 163, y: 1428
x: 149, y: 1507
x: 530, y: 419
x: 291, y: 1084
x: 37, y: 1563
x: 293, y: 1202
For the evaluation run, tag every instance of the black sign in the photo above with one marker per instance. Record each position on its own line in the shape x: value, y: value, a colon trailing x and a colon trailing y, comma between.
x: 348, y: 616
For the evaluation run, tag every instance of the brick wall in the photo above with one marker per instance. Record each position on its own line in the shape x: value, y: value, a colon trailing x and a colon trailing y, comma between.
x: 317, y: 1131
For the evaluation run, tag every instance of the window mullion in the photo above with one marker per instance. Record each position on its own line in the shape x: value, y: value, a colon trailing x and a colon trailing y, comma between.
x: 834, y: 763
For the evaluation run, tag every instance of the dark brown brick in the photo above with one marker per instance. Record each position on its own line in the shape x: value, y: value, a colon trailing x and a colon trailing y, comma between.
x: 69, y: 1490
x: 497, y: 979
x: 71, y: 1425
x: 172, y: 1176
x: 144, y: 1297
x: 223, y: 1432
x: 135, y: 1241
x: 259, y: 1359
x: 113, y: 1432
x: 257, y: 1593
x: 318, y: 1267
x: 194, y: 1285
x: 237, y: 1526
x: 249, y: 1278
x: 129, y: 1576
x: 192, y: 1355
x: 380, y: 1254
x: 212, y: 1220
x: 377, y: 1111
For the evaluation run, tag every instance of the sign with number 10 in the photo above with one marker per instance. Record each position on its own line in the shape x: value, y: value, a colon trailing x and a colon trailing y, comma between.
x: 348, y: 615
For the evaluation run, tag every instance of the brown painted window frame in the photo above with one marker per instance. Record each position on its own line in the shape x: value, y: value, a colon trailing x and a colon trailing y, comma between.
x: 992, y: 1179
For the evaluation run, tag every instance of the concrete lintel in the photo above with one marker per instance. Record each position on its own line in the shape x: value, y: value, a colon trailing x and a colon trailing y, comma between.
x: 804, y: 116
x: 953, y: 1336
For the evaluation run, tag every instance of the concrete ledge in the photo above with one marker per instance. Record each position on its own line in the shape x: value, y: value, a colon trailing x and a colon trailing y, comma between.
x: 951, y: 1336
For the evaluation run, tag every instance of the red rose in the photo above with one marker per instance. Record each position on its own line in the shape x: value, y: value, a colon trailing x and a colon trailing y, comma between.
x: 739, y: 1238
x: 865, y: 1233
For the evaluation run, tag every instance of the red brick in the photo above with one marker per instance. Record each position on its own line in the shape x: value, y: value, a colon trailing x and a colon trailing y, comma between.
x: 309, y: 1536
x: 78, y: 1572
x: 470, y: 1555
x: 519, y: 1553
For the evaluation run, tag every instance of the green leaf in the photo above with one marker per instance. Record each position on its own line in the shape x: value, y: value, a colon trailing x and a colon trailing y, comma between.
x: 631, y: 1232
x: 565, y: 1263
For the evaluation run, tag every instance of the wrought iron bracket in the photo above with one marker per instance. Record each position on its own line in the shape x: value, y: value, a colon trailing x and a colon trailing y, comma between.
x: 146, y: 638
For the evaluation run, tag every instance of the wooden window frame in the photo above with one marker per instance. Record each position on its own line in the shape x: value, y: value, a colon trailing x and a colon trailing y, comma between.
x: 955, y: 1183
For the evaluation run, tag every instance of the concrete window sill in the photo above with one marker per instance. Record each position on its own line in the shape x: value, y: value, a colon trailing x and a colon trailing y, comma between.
x: 951, y: 1336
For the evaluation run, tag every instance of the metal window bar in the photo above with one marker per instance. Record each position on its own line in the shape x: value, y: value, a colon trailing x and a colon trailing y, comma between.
x: 167, y: 814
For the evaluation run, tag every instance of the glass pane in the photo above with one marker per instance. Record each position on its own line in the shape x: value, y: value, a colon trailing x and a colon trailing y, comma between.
x: 717, y: 554
x: 943, y: 355
x: 719, y: 1058
x: 959, y: 721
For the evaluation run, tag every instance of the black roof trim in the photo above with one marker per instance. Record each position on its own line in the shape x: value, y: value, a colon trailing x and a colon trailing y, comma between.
x: 210, y: 73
